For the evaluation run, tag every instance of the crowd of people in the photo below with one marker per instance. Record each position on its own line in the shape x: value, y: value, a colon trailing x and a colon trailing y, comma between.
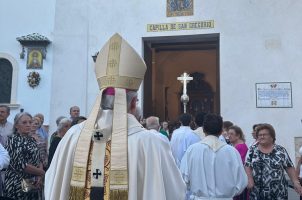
x: 263, y: 162
x: 113, y: 156
x: 26, y: 151
x: 26, y: 155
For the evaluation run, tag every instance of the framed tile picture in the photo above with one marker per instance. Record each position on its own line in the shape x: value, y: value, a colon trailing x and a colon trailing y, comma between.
x: 179, y: 8
x: 274, y: 95
x: 34, y: 58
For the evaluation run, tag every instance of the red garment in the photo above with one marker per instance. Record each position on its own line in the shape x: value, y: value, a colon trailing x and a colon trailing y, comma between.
x: 242, y: 149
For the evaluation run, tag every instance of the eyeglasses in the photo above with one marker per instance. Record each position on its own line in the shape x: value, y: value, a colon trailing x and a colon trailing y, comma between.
x: 263, y: 135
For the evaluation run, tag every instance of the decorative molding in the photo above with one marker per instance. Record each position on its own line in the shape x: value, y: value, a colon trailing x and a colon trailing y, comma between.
x: 11, y: 105
x: 34, y: 40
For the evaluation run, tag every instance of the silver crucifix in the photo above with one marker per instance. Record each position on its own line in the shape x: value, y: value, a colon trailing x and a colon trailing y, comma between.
x: 184, y: 79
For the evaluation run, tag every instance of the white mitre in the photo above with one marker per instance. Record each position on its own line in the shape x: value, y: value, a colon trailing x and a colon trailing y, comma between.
x: 119, y: 66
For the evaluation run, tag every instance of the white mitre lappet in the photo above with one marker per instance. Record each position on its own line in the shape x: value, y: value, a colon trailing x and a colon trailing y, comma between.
x: 117, y: 66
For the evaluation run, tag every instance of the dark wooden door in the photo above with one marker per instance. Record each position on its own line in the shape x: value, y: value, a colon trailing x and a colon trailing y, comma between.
x: 201, y: 95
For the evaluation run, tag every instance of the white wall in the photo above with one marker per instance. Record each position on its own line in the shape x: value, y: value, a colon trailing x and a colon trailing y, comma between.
x: 262, y: 44
x: 19, y: 18
x: 259, y: 42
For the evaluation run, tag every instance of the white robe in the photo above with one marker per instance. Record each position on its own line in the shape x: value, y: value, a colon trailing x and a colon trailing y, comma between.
x: 213, y: 170
x: 181, y: 139
x: 152, y: 171
x: 5, y: 130
x: 160, y: 135
x: 4, y: 162
x: 199, y: 131
x: 4, y: 158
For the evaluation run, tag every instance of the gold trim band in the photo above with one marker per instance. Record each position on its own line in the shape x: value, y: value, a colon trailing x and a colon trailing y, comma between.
x: 119, y: 82
x: 118, y: 177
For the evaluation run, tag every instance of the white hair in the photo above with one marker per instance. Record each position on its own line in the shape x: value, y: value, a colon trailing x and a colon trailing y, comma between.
x: 18, y: 117
x: 62, y: 123
x: 152, y: 123
x: 108, y: 100
x: 59, y: 119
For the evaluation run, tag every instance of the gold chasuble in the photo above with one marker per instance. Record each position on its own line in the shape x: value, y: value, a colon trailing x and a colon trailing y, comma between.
x: 100, y: 166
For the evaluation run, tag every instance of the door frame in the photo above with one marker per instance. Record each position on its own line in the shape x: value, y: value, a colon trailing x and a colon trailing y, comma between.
x: 151, y: 45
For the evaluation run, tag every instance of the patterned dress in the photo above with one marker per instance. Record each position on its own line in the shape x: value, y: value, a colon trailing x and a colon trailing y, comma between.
x: 268, y: 173
x: 22, y: 150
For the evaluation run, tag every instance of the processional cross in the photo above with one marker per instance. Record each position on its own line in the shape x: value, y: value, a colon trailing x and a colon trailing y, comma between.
x: 184, y: 79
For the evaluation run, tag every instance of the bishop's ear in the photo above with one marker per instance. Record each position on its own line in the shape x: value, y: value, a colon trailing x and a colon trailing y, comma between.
x: 133, y: 104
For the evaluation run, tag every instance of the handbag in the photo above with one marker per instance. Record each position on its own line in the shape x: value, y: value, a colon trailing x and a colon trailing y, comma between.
x: 28, y: 185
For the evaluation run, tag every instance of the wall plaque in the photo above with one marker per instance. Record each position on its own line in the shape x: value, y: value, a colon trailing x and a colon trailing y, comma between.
x: 177, y: 26
x: 274, y: 95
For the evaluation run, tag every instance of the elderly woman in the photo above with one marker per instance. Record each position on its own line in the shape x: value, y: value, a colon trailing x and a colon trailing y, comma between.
x: 63, y: 126
x: 265, y: 165
x: 25, y: 161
